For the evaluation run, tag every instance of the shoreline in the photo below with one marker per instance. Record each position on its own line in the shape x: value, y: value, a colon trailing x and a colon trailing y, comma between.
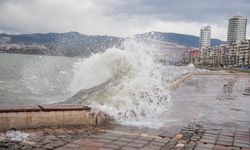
x: 9, y: 114
x: 191, y: 136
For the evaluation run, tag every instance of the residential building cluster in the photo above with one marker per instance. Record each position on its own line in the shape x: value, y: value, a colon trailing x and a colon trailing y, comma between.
x: 21, y: 46
x: 234, y: 53
x: 7, y: 46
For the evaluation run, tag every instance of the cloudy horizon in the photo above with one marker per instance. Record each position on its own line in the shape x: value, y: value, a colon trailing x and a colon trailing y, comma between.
x: 118, y: 17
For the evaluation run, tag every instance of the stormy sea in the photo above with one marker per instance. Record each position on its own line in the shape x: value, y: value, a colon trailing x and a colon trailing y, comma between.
x: 128, y: 83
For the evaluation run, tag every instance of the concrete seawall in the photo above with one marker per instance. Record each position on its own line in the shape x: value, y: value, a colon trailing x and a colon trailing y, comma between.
x: 175, y: 84
x: 57, y: 115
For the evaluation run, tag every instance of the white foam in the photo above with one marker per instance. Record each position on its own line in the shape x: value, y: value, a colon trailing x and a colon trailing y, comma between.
x: 16, y: 136
x: 138, y: 98
x: 191, y: 65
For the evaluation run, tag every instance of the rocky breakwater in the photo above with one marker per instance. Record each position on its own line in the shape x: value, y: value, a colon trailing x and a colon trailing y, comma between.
x: 52, y: 115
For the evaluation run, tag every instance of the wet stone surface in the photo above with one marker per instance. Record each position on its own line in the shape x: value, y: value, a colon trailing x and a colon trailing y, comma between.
x: 220, y: 100
x: 192, y: 137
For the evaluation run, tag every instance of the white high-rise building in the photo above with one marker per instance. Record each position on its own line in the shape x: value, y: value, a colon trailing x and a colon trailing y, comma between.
x: 205, y: 36
x: 237, y: 26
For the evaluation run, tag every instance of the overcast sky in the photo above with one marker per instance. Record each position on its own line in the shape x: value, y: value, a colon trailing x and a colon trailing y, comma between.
x: 120, y: 17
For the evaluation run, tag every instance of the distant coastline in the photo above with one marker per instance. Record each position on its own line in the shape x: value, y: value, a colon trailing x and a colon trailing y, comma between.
x: 76, y: 44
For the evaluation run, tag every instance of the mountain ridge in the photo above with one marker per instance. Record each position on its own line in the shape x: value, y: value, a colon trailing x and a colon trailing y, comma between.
x: 77, y: 44
x: 182, y: 39
x: 67, y: 44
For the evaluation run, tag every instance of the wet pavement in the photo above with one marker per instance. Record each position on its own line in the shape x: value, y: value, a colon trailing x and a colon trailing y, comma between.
x: 221, y: 100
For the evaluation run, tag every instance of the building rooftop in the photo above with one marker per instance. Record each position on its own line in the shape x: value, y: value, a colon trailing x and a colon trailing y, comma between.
x: 238, y: 15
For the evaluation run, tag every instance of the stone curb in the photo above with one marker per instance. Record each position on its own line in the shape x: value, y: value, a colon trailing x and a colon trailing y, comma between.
x: 54, y: 115
x: 45, y: 107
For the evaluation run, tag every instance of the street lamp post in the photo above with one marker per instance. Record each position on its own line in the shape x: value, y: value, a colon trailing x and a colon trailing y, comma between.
x: 243, y: 60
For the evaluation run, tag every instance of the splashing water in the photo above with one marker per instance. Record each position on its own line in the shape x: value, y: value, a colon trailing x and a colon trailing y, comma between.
x: 130, y: 82
x: 191, y: 65
x: 136, y: 95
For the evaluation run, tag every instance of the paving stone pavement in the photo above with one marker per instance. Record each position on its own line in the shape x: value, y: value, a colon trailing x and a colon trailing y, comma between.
x: 192, y: 137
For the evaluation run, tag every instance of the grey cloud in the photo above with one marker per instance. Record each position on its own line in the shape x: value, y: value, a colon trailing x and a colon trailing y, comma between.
x: 186, y: 10
x: 118, y: 17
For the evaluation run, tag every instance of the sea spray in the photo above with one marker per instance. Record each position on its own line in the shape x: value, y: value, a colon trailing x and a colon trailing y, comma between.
x: 137, y: 96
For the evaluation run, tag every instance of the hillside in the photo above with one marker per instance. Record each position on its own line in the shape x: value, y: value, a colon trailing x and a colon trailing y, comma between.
x: 67, y: 44
x: 76, y: 44
x: 182, y: 39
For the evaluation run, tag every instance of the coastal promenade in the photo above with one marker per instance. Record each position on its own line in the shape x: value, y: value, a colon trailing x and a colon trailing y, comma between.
x: 210, y: 109
x: 191, y: 137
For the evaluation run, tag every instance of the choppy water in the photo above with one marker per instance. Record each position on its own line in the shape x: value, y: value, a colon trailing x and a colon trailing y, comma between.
x: 26, y: 79
x: 134, y: 95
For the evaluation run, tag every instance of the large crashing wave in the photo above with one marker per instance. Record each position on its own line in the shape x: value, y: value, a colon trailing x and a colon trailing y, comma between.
x: 136, y: 95
x: 126, y: 83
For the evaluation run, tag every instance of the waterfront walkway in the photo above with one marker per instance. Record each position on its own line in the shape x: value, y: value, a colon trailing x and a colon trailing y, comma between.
x: 193, y: 136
